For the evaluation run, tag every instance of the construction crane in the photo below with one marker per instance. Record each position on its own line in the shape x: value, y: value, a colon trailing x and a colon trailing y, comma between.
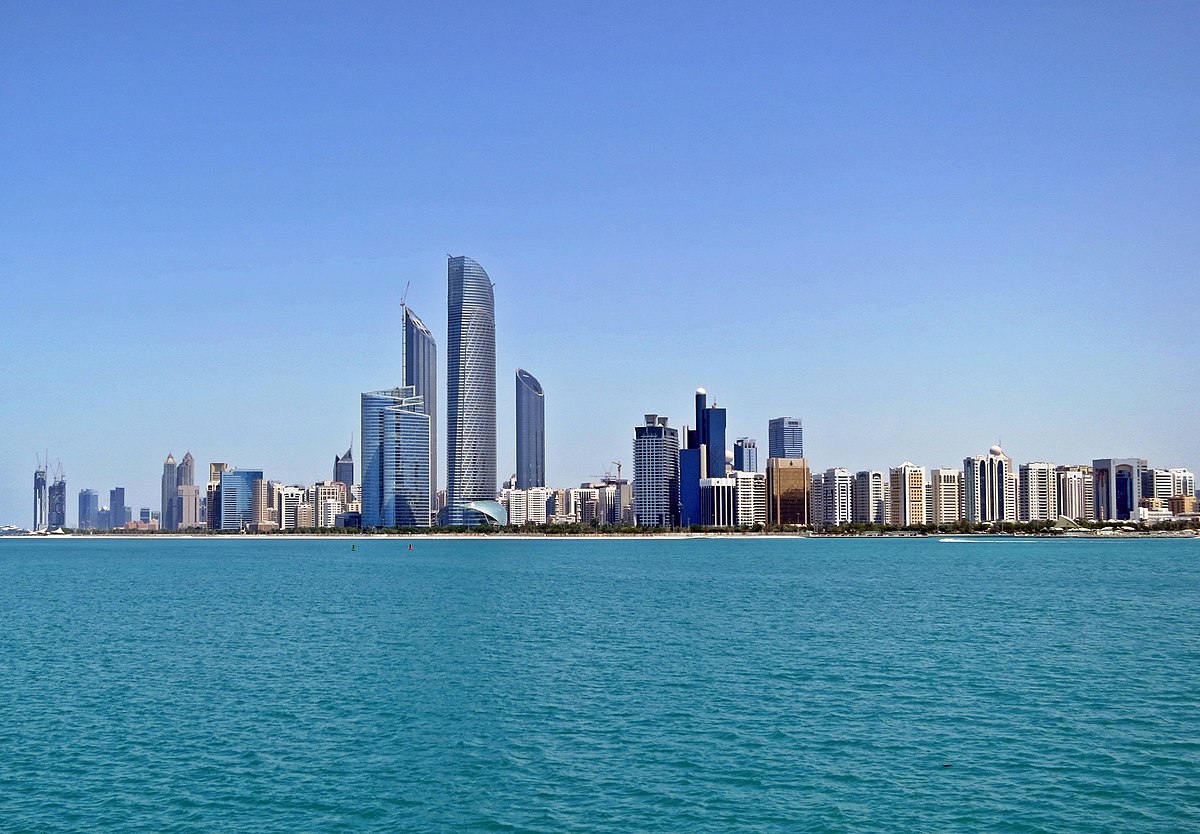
x: 617, y: 464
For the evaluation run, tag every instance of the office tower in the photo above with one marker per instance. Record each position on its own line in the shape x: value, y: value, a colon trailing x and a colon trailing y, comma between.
x: 89, y: 509
x: 531, y: 431
x: 471, y: 394
x: 343, y: 468
x: 116, y: 508
x: 145, y: 515
x: 718, y: 502
x: 40, y: 499
x: 906, y: 492
x: 831, y: 498
x: 702, y: 456
x: 287, y: 503
x: 237, y: 495
x: 990, y: 487
x: 1037, y: 497
x: 420, y: 373
x: 945, y: 496
x: 868, y: 497
x: 785, y: 438
x: 1117, y: 487
x: 185, y: 473
x: 103, y: 519
x: 745, y: 455
x: 169, y: 487
x: 655, y: 473
x: 1075, y: 495
x: 789, y: 491
x: 751, y: 498
x: 395, y: 465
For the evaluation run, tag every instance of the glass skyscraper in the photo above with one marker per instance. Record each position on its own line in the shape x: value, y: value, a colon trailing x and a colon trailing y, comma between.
x: 395, y: 459
x: 785, y: 438
x: 471, y: 392
x: 89, y: 509
x: 531, y: 431
x: 236, y: 492
x: 420, y: 372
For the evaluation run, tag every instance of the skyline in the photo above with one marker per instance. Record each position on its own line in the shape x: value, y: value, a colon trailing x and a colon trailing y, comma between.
x: 1004, y: 200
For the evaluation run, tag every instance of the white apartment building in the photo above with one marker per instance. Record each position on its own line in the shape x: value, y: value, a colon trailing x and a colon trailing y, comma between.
x: 945, y: 496
x: 1038, y: 499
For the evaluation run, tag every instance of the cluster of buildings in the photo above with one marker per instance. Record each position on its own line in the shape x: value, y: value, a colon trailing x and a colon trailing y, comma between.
x: 681, y: 477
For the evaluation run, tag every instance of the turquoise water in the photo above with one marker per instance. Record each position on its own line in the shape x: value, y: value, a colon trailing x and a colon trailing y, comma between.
x: 595, y: 686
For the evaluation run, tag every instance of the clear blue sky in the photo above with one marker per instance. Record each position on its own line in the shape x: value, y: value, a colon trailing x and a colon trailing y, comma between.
x: 919, y: 226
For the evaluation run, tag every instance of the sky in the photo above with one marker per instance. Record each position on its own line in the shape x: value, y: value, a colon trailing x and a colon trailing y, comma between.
x: 921, y: 227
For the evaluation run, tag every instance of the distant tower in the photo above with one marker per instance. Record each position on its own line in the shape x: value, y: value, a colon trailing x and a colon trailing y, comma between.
x: 785, y: 438
x: 116, y: 508
x: 40, y: 499
x: 395, y: 459
x: 185, y: 475
x: 745, y: 455
x: 471, y: 392
x: 57, y: 515
x: 89, y: 510
x: 531, y: 431
x: 170, y: 488
x: 990, y: 487
x: 420, y: 373
x: 343, y: 468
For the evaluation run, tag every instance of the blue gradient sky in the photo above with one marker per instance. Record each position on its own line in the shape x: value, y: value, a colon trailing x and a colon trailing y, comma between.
x: 919, y: 226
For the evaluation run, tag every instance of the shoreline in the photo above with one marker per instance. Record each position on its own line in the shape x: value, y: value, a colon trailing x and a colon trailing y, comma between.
x: 366, y: 537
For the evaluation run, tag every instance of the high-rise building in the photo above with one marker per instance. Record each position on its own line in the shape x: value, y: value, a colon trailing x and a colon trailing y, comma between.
x: 420, y: 373
x: 117, y: 511
x: 785, y: 438
x: 1167, y: 483
x: 751, y: 498
x: 745, y: 455
x: 832, y: 492
x: 868, y: 497
x: 1037, y: 497
x: 531, y: 431
x: 990, y: 487
x: 343, y: 468
x: 702, y: 456
x: 471, y: 394
x: 287, y: 502
x: 169, y: 487
x: 212, y: 500
x: 906, y: 494
x: 718, y: 502
x: 89, y: 509
x: 789, y: 491
x: 396, y: 468
x: 238, y: 500
x: 655, y: 473
x: 187, y: 507
x: 56, y: 515
x: 1117, y: 487
x: 945, y: 496
x: 185, y: 473
x: 1076, y: 500
x: 41, y: 500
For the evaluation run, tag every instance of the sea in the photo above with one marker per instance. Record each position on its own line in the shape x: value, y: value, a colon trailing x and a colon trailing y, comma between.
x: 259, y: 684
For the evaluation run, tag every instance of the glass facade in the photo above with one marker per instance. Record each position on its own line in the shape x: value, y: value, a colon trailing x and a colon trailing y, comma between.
x: 89, y: 510
x: 531, y: 431
x: 237, y: 497
x: 420, y: 373
x: 785, y: 438
x: 396, y: 465
x: 471, y: 391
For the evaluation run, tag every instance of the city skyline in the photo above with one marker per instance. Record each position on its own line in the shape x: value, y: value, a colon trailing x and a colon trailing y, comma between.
x: 1013, y: 213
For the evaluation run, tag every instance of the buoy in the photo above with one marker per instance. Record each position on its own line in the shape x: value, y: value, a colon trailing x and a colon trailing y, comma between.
x: 410, y: 547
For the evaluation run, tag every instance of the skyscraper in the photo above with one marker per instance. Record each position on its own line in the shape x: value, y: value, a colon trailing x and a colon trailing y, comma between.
x: 702, y: 457
x: 343, y: 468
x: 420, y: 373
x: 237, y: 495
x: 531, y: 431
x: 116, y: 508
x: 868, y: 498
x: 185, y: 475
x: 785, y: 438
x: 396, y: 465
x: 1075, y: 494
x: 471, y: 392
x: 170, y: 488
x: 945, y: 498
x: 1037, y: 496
x: 89, y: 508
x: 56, y: 515
x: 40, y: 499
x: 789, y: 491
x: 906, y: 492
x: 656, y: 473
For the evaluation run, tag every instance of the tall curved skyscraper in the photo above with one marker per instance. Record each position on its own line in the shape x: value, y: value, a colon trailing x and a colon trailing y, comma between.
x: 531, y: 431
x: 420, y: 371
x: 470, y: 392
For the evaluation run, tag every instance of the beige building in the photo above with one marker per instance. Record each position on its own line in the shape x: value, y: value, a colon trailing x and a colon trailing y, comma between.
x: 945, y: 496
x: 907, y: 494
